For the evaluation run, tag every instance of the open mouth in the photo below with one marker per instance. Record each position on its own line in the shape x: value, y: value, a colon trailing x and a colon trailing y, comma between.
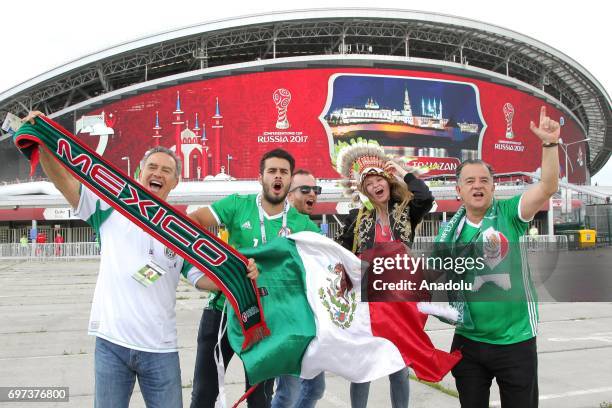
x: 310, y: 203
x: 379, y: 192
x: 478, y: 194
x: 155, y: 185
x: 277, y: 186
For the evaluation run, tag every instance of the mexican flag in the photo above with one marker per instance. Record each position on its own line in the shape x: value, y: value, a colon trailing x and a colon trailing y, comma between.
x: 310, y: 289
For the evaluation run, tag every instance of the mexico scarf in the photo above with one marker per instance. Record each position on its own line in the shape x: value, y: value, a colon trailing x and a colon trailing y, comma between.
x: 323, y: 325
x: 225, y: 266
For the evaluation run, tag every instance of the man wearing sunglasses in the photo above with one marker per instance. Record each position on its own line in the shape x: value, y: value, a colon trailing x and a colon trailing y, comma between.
x: 303, y: 191
x: 293, y: 392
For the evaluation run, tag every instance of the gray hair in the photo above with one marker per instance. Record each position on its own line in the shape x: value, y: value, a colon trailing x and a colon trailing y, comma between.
x: 162, y: 149
x: 473, y: 161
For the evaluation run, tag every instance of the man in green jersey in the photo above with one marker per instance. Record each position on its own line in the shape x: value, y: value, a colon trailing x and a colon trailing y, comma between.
x: 251, y: 220
x: 500, y: 341
x: 294, y: 392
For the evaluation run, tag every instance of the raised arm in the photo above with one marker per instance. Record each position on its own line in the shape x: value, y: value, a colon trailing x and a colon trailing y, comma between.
x: 422, y: 196
x: 65, y: 182
x: 548, y: 132
x: 422, y: 199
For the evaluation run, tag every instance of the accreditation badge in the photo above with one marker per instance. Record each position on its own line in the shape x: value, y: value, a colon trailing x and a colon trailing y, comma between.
x: 149, y: 274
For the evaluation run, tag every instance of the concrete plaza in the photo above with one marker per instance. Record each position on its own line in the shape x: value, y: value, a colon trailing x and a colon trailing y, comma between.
x: 44, y: 309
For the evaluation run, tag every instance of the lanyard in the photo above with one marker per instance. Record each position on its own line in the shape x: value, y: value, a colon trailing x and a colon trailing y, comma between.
x: 284, y: 231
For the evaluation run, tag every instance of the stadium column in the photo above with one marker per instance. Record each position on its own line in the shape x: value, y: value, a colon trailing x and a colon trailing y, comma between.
x: 204, y: 152
x: 200, y: 160
x: 217, y: 127
x: 156, y: 130
x: 178, y: 125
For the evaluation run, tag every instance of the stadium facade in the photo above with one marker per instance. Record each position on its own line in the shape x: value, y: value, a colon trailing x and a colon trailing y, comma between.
x: 432, y: 89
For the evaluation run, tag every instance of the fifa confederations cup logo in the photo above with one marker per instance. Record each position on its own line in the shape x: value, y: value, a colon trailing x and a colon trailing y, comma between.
x: 509, y: 114
x: 282, y: 98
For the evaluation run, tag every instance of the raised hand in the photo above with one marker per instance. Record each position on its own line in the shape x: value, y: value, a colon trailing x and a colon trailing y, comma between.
x: 398, y: 171
x: 31, y: 116
x: 548, y: 130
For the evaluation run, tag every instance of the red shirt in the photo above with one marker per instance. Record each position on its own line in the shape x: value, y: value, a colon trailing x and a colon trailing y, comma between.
x: 383, y: 233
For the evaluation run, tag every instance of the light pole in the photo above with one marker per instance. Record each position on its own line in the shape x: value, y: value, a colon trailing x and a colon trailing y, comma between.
x: 229, y: 157
x: 128, y: 164
x: 564, y: 146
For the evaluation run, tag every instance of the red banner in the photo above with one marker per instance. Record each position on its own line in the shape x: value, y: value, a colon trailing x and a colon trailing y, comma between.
x: 224, y: 125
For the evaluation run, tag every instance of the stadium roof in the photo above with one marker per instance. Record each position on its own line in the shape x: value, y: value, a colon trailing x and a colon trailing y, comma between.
x: 326, y: 37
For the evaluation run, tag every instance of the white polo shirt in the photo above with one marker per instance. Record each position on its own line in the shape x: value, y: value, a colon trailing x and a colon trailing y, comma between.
x: 124, y: 311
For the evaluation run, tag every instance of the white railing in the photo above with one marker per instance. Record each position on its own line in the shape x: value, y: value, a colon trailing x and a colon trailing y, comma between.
x: 531, y: 242
x: 48, y: 252
x: 545, y: 242
x: 91, y: 250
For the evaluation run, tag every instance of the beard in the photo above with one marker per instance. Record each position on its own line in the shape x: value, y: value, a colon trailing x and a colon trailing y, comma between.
x: 271, y: 198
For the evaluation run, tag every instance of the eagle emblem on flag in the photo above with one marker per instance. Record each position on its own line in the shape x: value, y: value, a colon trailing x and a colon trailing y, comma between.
x: 338, y: 297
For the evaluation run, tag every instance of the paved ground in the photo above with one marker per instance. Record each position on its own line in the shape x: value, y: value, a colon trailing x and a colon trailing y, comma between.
x: 44, y: 308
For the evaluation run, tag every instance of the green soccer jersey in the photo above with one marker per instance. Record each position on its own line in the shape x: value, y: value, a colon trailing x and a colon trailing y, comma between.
x: 514, y: 317
x: 240, y: 215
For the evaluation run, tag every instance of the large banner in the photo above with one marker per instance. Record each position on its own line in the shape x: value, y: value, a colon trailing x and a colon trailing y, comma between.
x: 432, y: 120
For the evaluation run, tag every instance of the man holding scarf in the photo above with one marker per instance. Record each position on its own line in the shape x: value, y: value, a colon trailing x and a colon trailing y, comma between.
x: 133, y: 310
x: 497, y: 333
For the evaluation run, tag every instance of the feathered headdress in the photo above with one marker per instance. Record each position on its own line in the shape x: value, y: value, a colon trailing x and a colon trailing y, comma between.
x: 357, y: 161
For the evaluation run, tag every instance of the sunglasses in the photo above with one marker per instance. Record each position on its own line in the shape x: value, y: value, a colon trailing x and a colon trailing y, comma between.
x: 307, y: 189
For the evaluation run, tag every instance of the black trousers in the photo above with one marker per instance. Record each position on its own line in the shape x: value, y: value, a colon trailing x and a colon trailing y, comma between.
x: 205, y: 381
x: 514, y: 367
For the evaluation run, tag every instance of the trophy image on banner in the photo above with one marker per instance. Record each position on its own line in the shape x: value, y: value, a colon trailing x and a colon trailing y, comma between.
x: 282, y: 98
x: 509, y: 114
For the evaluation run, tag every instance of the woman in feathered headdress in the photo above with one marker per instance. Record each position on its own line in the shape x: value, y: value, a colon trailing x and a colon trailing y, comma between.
x: 395, y: 202
x: 395, y: 199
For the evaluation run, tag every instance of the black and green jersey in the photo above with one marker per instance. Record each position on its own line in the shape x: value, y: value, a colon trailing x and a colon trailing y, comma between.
x: 514, y: 317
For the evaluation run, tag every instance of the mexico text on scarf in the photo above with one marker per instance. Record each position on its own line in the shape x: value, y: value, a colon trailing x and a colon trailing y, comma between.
x: 225, y: 266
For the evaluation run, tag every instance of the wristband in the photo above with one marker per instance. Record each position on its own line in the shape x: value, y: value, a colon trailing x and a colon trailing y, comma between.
x: 551, y: 144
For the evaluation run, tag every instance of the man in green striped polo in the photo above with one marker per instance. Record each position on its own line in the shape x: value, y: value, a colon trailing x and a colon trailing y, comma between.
x: 500, y: 341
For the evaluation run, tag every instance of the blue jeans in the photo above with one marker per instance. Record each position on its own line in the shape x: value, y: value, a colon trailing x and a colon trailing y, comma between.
x: 294, y: 392
x: 400, y: 391
x: 116, y: 370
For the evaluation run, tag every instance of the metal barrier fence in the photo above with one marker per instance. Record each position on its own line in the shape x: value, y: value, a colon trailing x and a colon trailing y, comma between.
x: 539, y: 243
x: 91, y: 250
x: 48, y: 252
x: 427, y: 228
x: 545, y: 242
x: 73, y: 234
